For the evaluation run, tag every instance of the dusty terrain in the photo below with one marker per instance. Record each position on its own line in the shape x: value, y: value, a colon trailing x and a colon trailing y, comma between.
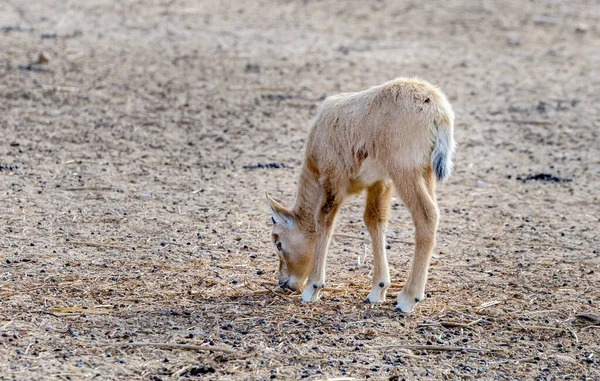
x: 135, y: 159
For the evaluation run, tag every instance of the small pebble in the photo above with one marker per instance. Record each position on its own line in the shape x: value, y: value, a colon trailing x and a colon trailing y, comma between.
x: 513, y: 41
x: 582, y: 28
x: 145, y: 196
x: 481, y: 184
x: 43, y: 58
x: 543, y: 20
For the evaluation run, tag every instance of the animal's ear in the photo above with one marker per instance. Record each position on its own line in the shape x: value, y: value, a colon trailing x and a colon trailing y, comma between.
x: 280, y: 214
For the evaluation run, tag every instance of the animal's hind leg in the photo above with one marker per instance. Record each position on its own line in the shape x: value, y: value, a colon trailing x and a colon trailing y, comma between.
x: 416, y: 190
x: 376, y: 216
x: 429, y: 178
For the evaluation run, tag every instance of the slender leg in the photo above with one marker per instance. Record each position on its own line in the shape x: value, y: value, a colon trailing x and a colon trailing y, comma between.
x: 331, y: 201
x: 429, y: 177
x: 415, y: 189
x: 376, y: 218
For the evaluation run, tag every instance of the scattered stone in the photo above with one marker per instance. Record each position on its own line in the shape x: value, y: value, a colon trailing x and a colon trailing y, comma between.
x: 198, y: 370
x: 513, y: 41
x: 8, y: 167
x: 344, y: 50
x: 544, y: 177
x: 32, y: 68
x: 544, y: 20
x: 589, y: 359
x: 145, y: 196
x: 582, y: 28
x: 17, y: 28
x: 43, y: 59
x: 252, y: 68
x: 265, y: 166
x: 481, y: 184
x: 276, y: 97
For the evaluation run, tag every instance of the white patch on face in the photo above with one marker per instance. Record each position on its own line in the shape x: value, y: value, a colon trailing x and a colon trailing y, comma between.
x: 296, y: 240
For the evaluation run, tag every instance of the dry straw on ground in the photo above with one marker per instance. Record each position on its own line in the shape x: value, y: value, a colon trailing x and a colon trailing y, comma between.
x: 133, y: 236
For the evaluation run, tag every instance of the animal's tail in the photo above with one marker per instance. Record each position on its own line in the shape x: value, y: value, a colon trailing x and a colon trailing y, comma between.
x: 443, y: 149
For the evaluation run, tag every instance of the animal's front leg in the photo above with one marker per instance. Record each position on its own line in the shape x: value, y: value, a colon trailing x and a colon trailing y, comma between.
x: 325, y: 221
x: 316, y: 278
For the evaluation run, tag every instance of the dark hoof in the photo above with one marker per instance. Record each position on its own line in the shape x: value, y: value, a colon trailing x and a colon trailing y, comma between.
x: 367, y: 301
x: 417, y: 300
x: 398, y: 309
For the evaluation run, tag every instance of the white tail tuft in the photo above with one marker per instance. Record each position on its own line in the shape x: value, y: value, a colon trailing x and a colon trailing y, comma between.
x: 443, y: 152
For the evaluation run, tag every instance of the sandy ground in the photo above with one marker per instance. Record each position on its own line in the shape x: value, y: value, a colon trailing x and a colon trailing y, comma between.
x: 133, y: 171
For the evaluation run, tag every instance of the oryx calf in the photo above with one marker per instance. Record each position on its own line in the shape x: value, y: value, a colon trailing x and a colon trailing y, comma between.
x: 399, y: 133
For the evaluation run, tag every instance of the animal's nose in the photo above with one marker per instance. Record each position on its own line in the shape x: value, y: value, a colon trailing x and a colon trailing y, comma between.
x: 283, y: 283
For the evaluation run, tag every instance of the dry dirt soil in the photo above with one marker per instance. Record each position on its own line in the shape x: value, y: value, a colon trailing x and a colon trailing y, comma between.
x: 136, y: 149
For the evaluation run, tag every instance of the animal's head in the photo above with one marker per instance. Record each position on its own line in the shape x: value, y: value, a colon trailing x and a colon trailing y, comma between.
x: 293, y: 246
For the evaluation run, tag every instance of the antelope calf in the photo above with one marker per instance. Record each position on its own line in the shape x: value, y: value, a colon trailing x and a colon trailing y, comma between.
x: 396, y: 135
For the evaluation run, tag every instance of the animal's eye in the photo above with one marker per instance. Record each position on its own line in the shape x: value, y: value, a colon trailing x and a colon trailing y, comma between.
x: 278, y: 245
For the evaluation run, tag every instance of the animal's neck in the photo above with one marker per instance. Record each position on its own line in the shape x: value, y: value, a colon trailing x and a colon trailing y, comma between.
x: 307, y: 200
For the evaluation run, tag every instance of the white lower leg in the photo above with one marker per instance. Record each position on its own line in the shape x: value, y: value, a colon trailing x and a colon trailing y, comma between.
x: 316, y: 279
x: 412, y: 293
x: 414, y: 289
x: 381, y: 271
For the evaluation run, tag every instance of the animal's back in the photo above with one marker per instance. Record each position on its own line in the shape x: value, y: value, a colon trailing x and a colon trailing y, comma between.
x: 396, y: 124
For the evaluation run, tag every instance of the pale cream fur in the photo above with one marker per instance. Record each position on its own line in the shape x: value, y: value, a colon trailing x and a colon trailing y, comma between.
x: 399, y: 133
